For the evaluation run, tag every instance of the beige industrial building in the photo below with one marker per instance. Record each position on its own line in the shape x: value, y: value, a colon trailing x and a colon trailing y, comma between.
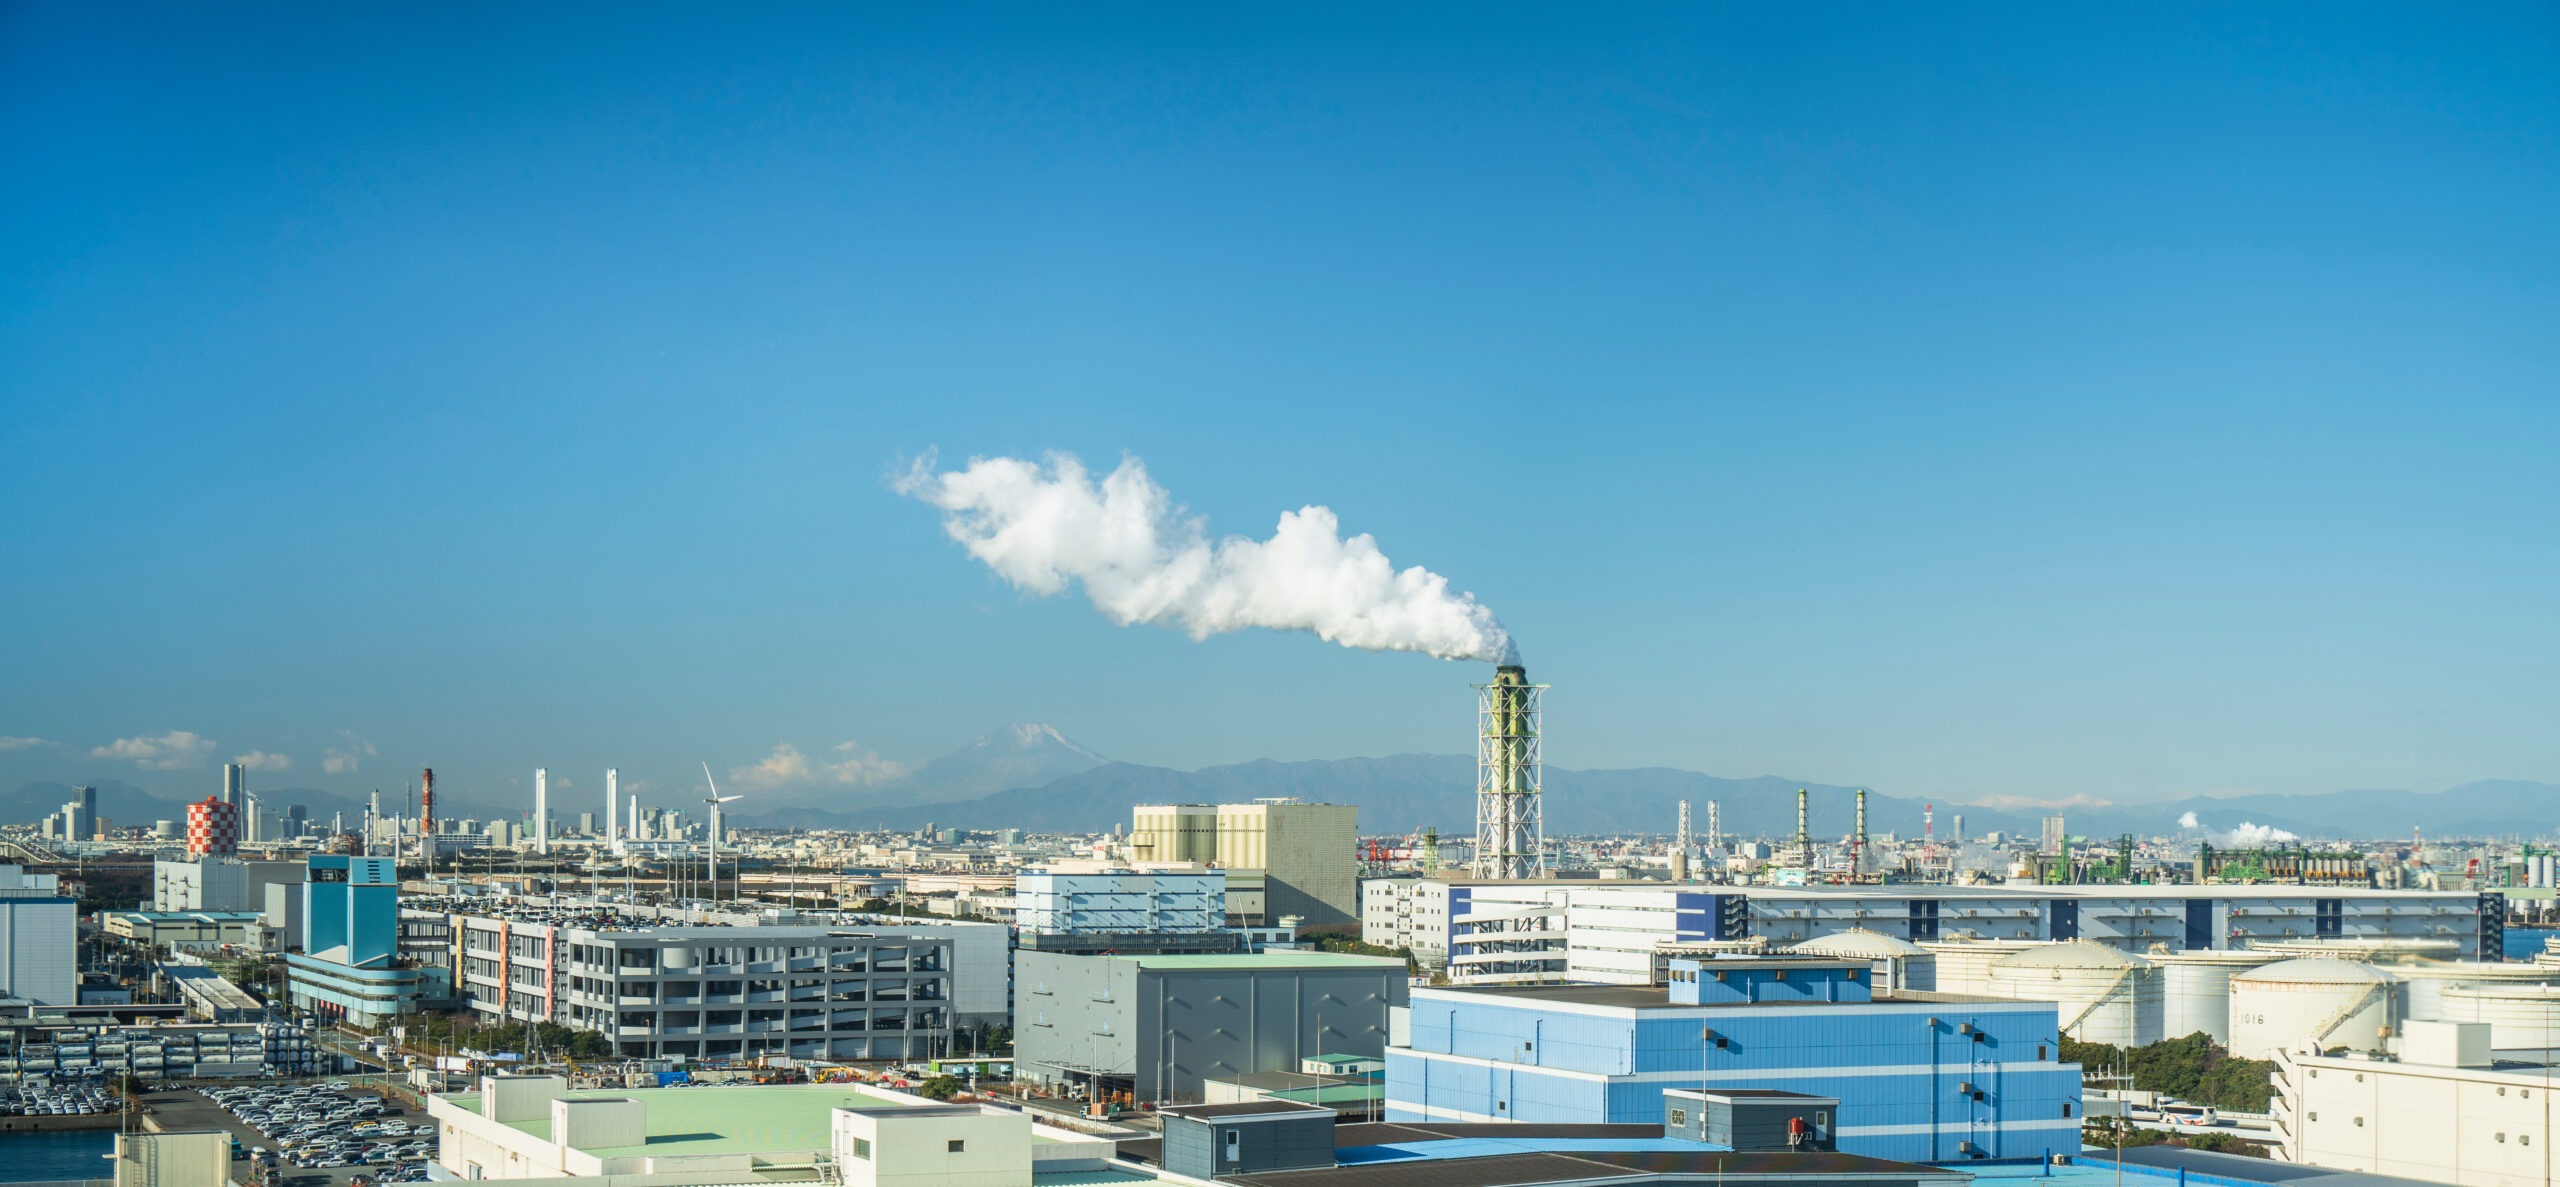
x: 2444, y: 1111
x: 1307, y: 853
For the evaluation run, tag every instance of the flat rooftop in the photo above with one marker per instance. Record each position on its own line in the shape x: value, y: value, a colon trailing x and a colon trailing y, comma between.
x: 1645, y: 997
x: 1582, y: 1166
x: 726, y: 1119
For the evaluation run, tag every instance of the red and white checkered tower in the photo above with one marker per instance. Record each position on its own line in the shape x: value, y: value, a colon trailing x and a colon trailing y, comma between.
x: 213, y: 828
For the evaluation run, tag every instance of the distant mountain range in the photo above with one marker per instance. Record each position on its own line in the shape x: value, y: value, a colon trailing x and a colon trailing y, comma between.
x: 1405, y: 793
x: 1023, y: 754
x: 1031, y: 776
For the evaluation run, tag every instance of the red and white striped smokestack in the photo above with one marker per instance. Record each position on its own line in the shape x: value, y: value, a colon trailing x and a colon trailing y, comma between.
x: 426, y: 801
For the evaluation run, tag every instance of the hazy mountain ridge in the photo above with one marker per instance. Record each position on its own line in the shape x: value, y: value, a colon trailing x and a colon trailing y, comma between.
x: 1407, y: 792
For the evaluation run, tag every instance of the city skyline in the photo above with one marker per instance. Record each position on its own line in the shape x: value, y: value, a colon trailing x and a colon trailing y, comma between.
x: 2028, y: 405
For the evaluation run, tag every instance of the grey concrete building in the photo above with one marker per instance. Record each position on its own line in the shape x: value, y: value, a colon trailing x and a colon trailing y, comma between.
x: 715, y: 992
x: 1157, y: 1026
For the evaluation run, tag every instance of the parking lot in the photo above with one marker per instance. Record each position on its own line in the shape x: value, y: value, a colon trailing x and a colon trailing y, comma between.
x: 289, y: 1119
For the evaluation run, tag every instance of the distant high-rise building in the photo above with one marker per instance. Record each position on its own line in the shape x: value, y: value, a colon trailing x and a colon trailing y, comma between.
x: 587, y: 823
x: 235, y: 783
x: 80, y: 815
x: 2054, y: 837
x: 1956, y: 828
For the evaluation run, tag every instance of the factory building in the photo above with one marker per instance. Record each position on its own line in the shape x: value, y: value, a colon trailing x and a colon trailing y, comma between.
x: 1918, y: 1076
x: 218, y: 883
x: 1306, y: 852
x: 1601, y: 931
x: 39, y: 939
x: 1090, y: 907
x: 350, y: 965
x: 822, y: 991
x: 2444, y: 1110
x: 1156, y: 1027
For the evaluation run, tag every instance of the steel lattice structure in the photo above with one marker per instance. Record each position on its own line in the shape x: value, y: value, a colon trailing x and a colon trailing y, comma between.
x: 1510, y: 768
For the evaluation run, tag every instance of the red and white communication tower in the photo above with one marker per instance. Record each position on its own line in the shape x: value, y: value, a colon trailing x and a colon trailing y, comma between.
x: 1928, y: 832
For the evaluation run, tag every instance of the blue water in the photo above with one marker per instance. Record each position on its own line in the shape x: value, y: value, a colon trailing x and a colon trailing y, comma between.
x: 63, y: 1154
x: 2524, y: 943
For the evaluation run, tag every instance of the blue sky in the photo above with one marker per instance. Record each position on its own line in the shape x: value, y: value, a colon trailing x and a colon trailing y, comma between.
x: 1995, y: 401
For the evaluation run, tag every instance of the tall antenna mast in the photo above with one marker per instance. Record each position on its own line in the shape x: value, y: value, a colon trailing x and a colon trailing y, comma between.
x: 1510, y: 768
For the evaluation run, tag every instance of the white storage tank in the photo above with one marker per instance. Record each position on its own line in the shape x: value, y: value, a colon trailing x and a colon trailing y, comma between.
x: 1964, y: 965
x: 2390, y: 950
x: 2333, y: 1003
x: 1899, y: 963
x: 2195, y: 989
x: 2102, y: 995
x: 2427, y: 980
x: 2520, y: 1017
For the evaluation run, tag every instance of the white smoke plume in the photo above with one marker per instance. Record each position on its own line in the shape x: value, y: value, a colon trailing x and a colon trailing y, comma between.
x: 2187, y: 820
x: 1142, y: 558
x: 2254, y: 836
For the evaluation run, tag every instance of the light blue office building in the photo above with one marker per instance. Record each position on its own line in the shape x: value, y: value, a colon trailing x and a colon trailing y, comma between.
x: 1920, y: 1077
x: 350, y: 967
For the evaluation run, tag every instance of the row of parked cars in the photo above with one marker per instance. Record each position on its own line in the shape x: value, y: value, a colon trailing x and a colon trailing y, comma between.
x: 43, y: 1100
x: 321, y: 1125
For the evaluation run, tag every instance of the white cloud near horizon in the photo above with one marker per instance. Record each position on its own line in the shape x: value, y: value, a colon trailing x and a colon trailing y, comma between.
x: 172, y: 751
x: 7, y: 744
x: 260, y: 760
x: 345, y: 760
x: 786, y: 766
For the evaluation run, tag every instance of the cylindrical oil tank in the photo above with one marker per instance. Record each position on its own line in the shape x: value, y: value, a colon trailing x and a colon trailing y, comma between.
x: 2101, y: 995
x: 2520, y: 1017
x: 2334, y: 1003
x: 2195, y: 989
x: 1899, y: 963
x: 2427, y: 980
x: 1964, y: 966
x: 2385, y: 950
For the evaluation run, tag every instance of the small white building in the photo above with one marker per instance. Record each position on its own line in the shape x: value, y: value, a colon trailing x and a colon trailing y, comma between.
x: 2440, y: 1112
x: 533, y: 1127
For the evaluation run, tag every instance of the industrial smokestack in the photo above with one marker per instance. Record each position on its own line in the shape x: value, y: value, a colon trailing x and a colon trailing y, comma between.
x: 1804, y: 835
x: 1858, y: 842
x: 612, y: 802
x: 427, y: 801
x: 1142, y: 558
x: 1510, y: 766
x: 542, y: 810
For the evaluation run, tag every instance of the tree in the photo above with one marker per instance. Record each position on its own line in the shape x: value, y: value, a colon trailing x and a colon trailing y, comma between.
x: 2192, y: 1067
x: 939, y: 1088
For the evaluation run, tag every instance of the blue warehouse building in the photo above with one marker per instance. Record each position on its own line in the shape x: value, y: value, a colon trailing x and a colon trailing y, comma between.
x: 1920, y: 1077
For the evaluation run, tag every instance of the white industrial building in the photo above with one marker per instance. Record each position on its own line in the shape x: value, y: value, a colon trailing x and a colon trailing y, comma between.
x: 2442, y: 1111
x: 218, y: 883
x: 1089, y: 899
x: 1608, y: 931
x: 39, y: 939
x: 843, y: 1135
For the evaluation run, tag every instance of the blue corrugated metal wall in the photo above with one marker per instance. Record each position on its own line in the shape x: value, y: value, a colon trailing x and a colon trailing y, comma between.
x: 1907, y: 1085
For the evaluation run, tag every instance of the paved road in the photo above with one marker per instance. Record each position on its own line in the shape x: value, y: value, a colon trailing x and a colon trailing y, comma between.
x: 185, y: 1110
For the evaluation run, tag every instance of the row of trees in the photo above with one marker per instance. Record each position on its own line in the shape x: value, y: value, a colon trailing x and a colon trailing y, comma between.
x: 2192, y: 1068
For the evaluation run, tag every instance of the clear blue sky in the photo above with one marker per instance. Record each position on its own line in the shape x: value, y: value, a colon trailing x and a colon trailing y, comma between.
x: 1974, y: 401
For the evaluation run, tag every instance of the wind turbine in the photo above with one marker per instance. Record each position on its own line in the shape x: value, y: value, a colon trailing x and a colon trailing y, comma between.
x: 715, y: 799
